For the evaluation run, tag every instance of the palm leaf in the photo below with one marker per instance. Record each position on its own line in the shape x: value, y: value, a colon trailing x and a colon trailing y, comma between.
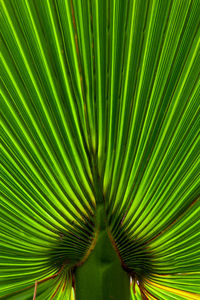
x: 100, y: 123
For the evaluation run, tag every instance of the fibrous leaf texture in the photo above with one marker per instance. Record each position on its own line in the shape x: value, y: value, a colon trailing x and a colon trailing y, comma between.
x: 100, y: 104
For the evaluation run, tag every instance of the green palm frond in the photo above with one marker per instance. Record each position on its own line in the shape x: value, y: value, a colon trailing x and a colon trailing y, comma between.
x: 100, y: 145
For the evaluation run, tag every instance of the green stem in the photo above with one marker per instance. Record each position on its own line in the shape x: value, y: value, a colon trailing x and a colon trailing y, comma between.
x: 101, y: 277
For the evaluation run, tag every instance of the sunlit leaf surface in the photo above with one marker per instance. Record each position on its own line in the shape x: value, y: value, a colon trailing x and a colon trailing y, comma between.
x: 100, y: 97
